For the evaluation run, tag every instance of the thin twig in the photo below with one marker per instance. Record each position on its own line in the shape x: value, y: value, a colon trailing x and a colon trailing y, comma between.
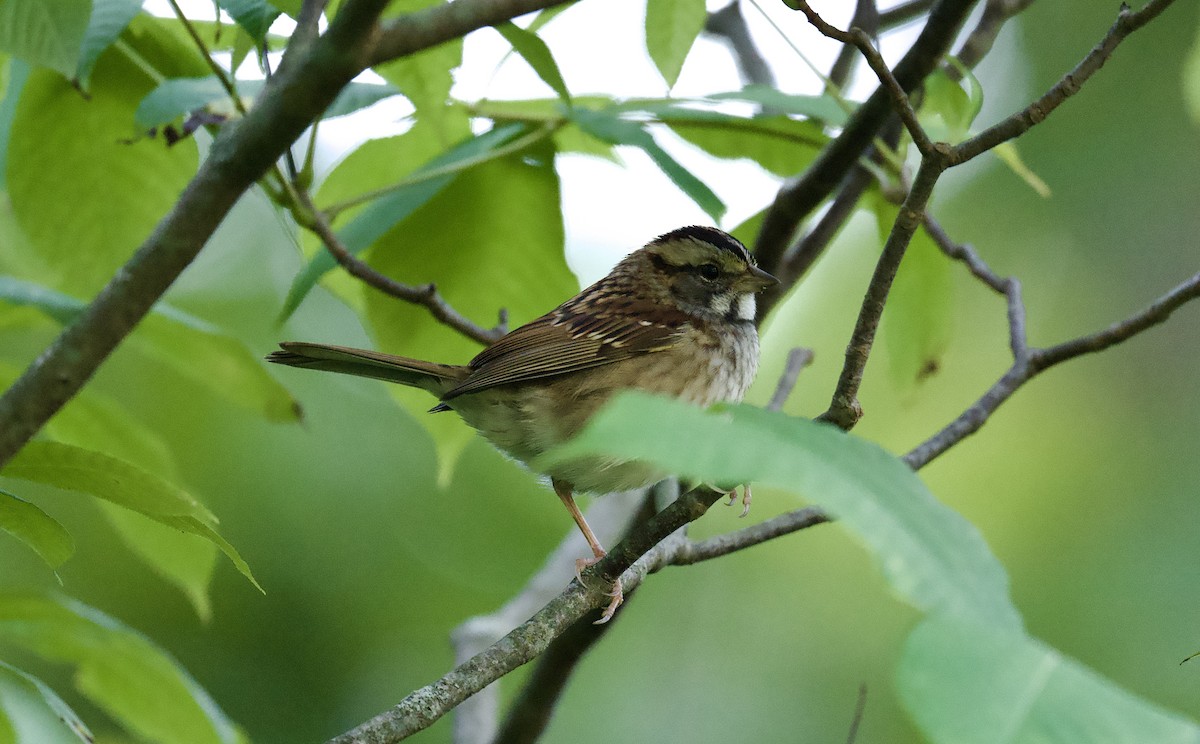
x: 979, y: 42
x: 866, y: 17
x: 425, y: 294
x: 797, y: 360
x: 731, y: 542
x: 903, y: 13
x: 860, y: 709
x: 218, y: 71
x: 797, y: 199
x: 1127, y: 22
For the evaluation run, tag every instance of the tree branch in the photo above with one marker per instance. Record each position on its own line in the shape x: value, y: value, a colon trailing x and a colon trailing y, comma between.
x: 425, y: 294
x: 797, y: 360
x: 730, y: 24
x: 731, y: 542
x: 313, y: 71
x: 866, y: 17
x: 797, y: 199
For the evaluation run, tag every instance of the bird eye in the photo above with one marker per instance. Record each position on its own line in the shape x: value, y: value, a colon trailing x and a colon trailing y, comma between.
x: 709, y: 271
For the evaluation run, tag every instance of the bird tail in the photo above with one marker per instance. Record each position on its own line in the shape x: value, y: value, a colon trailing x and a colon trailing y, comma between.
x: 435, y: 378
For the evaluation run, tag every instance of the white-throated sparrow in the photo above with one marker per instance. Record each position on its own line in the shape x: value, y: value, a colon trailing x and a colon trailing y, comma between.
x: 674, y: 318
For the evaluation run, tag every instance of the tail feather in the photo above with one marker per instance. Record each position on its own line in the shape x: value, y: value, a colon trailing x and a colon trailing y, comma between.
x: 435, y: 378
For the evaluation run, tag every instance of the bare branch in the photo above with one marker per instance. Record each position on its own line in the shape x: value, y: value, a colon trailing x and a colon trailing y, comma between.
x: 903, y: 13
x: 730, y: 24
x: 860, y: 709
x: 866, y: 17
x: 425, y: 294
x: 1127, y: 22
x: 731, y: 542
x: 979, y: 42
x: 797, y: 360
x: 797, y: 199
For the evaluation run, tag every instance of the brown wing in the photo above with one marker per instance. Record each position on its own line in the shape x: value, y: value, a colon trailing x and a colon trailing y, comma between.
x: 574, y: 338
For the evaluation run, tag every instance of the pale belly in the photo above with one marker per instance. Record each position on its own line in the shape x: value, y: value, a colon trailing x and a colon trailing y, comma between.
x: 524, y: 422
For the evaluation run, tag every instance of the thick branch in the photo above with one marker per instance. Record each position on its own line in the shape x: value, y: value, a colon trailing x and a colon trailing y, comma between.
x: 866, y: 17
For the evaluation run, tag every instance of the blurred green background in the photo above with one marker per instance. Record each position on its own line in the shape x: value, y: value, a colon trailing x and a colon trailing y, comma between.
x: 1085, y: 485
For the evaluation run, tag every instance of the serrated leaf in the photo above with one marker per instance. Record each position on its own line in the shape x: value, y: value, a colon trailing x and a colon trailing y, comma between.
x: 384, y: 213
x: 1009, y: 155
x: 965, y: 682
x: 780, y: 145
x: 482, y: 261
x: 118, y: 669
x: 535, y: 52
x: 255, y: 16
x: 36, y: 712
x: 85, y: 471
x: 45, y: 34
x: 773, y: 101
x: 109, y: 18
x: 916, y: 325
x: 932, y: 557
x: 671, y: 29
x: 63, y: 148
x: 37, y: 529
x: 195, y: 349
x: 609, y: 128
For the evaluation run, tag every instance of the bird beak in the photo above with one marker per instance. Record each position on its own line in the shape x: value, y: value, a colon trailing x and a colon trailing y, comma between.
x: 756, y: 280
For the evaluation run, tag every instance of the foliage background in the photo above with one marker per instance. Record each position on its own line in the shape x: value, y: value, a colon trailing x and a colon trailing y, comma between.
x: 1084, y: 485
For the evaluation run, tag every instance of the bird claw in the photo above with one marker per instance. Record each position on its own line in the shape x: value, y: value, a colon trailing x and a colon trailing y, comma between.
x: 617, y: 593
x: 746, y: 498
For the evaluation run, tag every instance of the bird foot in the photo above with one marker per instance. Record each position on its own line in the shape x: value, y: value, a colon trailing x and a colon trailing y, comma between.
x: 746, y: 498
x: 617, y: 593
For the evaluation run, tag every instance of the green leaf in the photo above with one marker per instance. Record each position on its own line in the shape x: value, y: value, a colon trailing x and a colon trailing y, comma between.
x: 931, y: 556
x: 1190, y: 79
x: 385, y: 212
x: 609, y: 128
x: 175, y: 97
x: 823, y: 108
x: 916, y: 326
x: 255, y: 16
x: 195, y: 349
x: 35, y: 528
x: 62, y: 145
x: 546, y: 15
x: 36, y: 712
x: 946, y: 110
x: 671, y: 28
x: 425, y: 78
x: 118, y: 669
x: 965, y: 682
x: 483, y: 261
x: 534, y: 51
x: 1009, y: 155
x: 46, y: 34
x: 85, y: 471
x: 780, y: 145
x: 185, y: 560
x: 109, y: 19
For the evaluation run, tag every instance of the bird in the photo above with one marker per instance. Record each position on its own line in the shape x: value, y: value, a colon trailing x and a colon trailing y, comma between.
x: 675, y: 318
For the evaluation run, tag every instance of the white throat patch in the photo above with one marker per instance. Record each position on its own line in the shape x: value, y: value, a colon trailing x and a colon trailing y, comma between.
x: 746, y: 306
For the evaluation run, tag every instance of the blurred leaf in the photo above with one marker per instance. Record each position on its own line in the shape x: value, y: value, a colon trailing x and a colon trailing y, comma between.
x: 195, y: 349
x: 931, y: 556
x: 255, y: 16
x: 175, y: 97
x: 118, y: 669
x: 608, y: 127
x: 356, y: 96
x: 965, y: 682
x: 974, y: 89
x: 671, y: 28
x: 36, y: 712
x: 1010, y: 156
x: 35, y: 528
x: 482, y: 259
x: 426, y: 77
x: 916, y: 324
x: 780, y: 145
x: 946, y: 110
x: 185, y: 560
x: 1190, y: 80
x: 534, y: 51
x: 85, y: 471
x: 62, y: 145
x: 46, y: 34
x: 824, y: 108
x: 109, y: 18
x: 570, y: 138
x: 385, y: 212
x: 291, y: 7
